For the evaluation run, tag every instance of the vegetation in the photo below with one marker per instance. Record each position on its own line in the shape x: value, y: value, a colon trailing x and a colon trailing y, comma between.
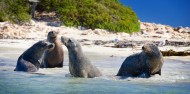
x: 16, y: 11
x: 48, y: 5
x: 104, y: 14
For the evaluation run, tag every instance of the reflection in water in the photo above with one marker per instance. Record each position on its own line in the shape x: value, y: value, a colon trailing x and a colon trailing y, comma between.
x: 175, y: 78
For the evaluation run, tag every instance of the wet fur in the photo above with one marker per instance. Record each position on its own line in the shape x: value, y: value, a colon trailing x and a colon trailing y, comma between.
x: 55, y: 56
x: 79, y: 64
x: 144, y: 64
x: 29, y: 60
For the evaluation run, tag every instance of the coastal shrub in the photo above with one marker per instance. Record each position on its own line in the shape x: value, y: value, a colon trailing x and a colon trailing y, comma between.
x: 104, y: 14
x: 3, y: 16
x: 48, y: 5
x: 16, y: 11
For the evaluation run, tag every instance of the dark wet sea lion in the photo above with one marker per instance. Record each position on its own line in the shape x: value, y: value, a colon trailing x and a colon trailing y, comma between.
x: 144, y: 64
x: 79, y: 64
x: 29, y: 60
x: 53, y: 57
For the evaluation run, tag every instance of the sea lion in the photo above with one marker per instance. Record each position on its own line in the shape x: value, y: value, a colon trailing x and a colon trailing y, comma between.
x: 79, y: 64
x: 53, y: 57
x: 143, y: 64
x: 29, y: 60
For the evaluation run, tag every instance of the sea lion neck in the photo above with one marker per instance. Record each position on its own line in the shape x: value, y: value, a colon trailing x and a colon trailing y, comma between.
x: 51, y: 39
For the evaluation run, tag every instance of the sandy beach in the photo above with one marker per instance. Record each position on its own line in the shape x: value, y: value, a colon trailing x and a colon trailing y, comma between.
x: 100, y: 47
x: 98, y: 41
x: 119, y: 47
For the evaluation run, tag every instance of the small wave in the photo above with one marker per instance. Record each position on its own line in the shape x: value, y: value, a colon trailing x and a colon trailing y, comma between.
x: 152, y: 79
x: 7, y: 68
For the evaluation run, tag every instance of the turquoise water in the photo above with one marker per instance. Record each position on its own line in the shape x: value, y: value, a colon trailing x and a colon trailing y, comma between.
x: 175, y: 78
x: 46, y: 84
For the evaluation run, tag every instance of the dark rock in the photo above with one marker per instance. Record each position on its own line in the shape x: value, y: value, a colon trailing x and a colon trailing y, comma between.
x: 174, y: 53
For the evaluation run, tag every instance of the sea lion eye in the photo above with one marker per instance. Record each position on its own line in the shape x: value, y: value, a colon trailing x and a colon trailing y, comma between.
x: 50, y: 33
x: 143, y: 47
x: 69, y: 40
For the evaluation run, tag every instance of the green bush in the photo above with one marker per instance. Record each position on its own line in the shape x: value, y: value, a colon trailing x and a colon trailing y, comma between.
x: 105, y: 14
x: 16, y: 11
x: 92, y: 14
x: 3, y: 16
x: 48, y: 5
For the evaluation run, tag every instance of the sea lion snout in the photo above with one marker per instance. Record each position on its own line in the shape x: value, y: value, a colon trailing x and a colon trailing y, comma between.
x: 52, y: 34
x: 64, y: 40
x: 47, y: 44
x: 51, y: 45
x: 70, y: 42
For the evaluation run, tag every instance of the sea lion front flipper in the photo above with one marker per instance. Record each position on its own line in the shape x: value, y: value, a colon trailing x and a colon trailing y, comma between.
x: 159, y: 72
x: 146, y: 74
x: 35, y: 62
x: 84, y: 74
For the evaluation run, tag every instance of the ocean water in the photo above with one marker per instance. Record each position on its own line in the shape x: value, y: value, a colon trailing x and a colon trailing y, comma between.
x: 175, y: 77
x: 169, y: 12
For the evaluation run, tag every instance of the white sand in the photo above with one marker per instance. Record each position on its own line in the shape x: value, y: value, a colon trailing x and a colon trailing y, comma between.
x: 38, y: 31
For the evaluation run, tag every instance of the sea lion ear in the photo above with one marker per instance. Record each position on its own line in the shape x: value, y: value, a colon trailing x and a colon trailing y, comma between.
x: 62, y: 38
x: 70, y: 40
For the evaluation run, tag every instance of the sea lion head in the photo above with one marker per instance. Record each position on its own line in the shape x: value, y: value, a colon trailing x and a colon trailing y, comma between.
x: 38, y: 48
x: 150, y: 48
x: 43, y: 45
x: 52, y: 35
x: 70, y: 43
x: 64, y: 40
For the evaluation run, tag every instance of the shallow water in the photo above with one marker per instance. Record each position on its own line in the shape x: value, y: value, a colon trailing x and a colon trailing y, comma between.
x: 175, y: 77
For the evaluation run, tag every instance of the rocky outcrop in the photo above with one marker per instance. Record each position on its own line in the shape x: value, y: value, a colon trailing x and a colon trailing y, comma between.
x: 174, y: 53
x: 10, y: 32
x: 26, y: 31
x: 36, y: 29
x: 132, y: 44
x: 164, y: 31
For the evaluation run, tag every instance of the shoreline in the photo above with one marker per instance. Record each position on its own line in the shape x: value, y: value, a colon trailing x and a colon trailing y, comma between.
x: 99, y: 49
x: 98, y: 40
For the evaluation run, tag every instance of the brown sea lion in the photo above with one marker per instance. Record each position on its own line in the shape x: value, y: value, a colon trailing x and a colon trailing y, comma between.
x: 144, y: 64
x: 29, y: 60
x: 79, y: 64
x: 53, y: 57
